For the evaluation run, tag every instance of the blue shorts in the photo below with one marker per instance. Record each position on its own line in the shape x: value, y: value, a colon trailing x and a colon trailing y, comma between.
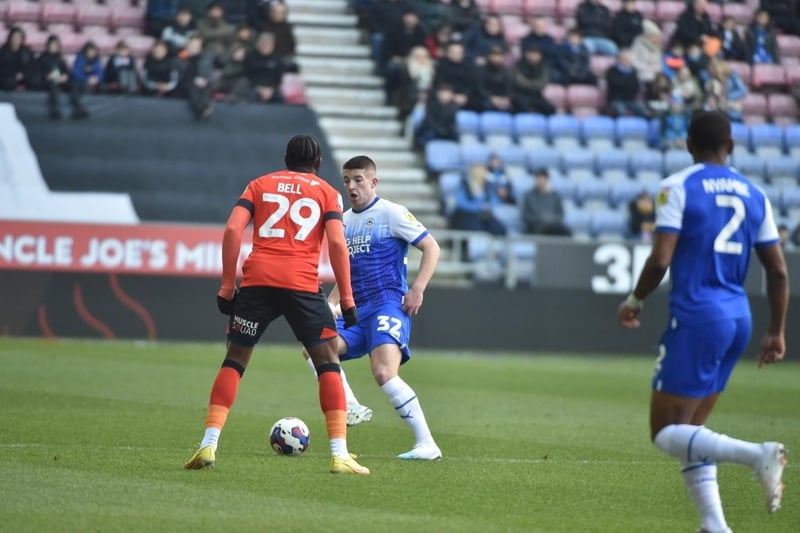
x: 377, y: 325
x: 696, y: 361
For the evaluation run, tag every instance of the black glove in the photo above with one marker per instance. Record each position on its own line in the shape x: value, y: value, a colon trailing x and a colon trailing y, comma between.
x: 226, y: 306
x: 350, y: 316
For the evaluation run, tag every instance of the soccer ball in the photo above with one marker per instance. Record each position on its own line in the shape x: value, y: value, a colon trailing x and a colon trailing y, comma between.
x: 289, y: 436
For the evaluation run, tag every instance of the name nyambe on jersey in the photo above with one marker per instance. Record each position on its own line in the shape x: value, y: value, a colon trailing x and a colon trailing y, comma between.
x: 717, y: 185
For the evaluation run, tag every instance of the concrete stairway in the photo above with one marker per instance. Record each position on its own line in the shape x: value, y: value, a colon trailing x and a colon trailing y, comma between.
x: 348, y: 97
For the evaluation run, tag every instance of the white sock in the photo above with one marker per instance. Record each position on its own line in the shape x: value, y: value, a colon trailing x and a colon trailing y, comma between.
x: 339, y: 448
x: 698, y: 444
x: 405, y: 402
x: 701, y: 482
x: 210, y: 438
x: 349, y: 396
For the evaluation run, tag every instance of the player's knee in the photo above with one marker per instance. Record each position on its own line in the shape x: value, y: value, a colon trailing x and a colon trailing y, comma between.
x: 383, y: 374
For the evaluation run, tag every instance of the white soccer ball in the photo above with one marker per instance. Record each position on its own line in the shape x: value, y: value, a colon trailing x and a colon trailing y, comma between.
x: 289, y: 436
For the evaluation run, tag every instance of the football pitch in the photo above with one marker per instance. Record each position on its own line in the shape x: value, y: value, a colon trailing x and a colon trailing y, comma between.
x: 93, y: 436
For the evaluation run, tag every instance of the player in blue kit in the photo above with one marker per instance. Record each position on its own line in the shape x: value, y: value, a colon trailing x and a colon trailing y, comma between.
x: 708, y: 218
x: 378, y: 233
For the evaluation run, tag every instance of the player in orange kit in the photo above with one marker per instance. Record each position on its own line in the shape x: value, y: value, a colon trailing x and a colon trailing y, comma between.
x: 292, y: 210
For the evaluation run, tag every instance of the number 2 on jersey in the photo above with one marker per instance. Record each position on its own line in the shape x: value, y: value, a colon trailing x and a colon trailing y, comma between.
x: 306, y: 223
x: 723, y: 244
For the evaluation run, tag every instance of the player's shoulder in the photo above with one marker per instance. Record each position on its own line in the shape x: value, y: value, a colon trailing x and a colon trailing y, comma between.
x: 679, y: 179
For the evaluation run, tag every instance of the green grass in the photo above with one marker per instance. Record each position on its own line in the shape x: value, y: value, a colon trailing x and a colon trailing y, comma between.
x: 93, y: 437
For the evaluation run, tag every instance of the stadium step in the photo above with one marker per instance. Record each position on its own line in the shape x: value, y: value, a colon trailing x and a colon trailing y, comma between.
x: 364, y: 127
x: 336, y: 95
x: 396, y: 189
x: 386, y: 159
x: 353, y: 111
x: 317, y: 6
x: 344, y: 67
x: 322, y: 19
x: 362, y: 144
x: 404, y: 175
x: 334, y: 80
x: 327, y: 35
x: 324, y: 50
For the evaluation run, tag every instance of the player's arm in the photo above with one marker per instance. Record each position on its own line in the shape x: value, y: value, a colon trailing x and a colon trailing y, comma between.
x: 340, y: 262
x: 231, y: 247
x: 653, y: 272
x: 773, y: 345
x: 427, y: 266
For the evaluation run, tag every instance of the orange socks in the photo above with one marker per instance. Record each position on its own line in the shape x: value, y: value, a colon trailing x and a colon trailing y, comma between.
x: 332, y: 400
x: 223, y: 393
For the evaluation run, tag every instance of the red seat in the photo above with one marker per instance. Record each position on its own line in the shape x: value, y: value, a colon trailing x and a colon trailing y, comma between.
x: 669, y: 10
x: 647, y: 9
x: 714, y: 12
x: 36, y: 39
x: 293, y: 89
x: 57, y: 12
x: 93, y: 15
x: 71, y: 43
x: 600, y: 64
x: 514, y: 28
x: 21, y: 11
x: 754, y: 104
x: 540, y: 8
x: 742, y: 69
x: 781, y: 106
x: 583, y: 96
x: 792, y: 71
x: 140, y: 45
x: 556, y: 95
x: 484, y: 5
x: 567, y: 8
x: 789, y: 45
x: 741, y: 13
x: 768, y: 75
x: 506, y: 7
x: 127, y: 17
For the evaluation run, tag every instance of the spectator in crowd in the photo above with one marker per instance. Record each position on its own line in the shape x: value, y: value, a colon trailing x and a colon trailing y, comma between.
x: 120, y: 75
x: 233, y: 80
x: 440, y: 117
x: 697, y: 62
x: 543, y: 209
x: 401, y: 37
x: 257, y: 12
x: 499, y: 180
x: 673, y: 60
x: 642, y: 217
x: 382, y: 17
x: 158, y: 15
x: 728, y: 88
x: 623, y: 87
x: 177, y: 34
x: 463, y: 15
x: 594, y: 22
x: 688, y: 88
x: 496, y: 81
x: 628, y: 24
x: 539, y: 38
x: 196, y: 81
x: 658, y: 94
x: 573, y: 62
x: 710, y: 102
x: 216, y: 32
x: 53, y: 75
x: 694, y: 25
x: 646, y: 52
x: 160, y: 74
x: 674, y: 125
x: 785, y: 237
x: 86, y: 77
x: 732, y: 45
x: 235, y: 11
x: 198, y: 8
x: 761, y: 45
x: 474, y: 202
x: 463, y: 77
x: 436, y: 42
x: 244, y: 35
x: 480, y: 39
x: 531, y: 76
x: 277, y: 23
x: 414, y: 81
x: 265, y: 70
x: 16, y: 61
x: 432, y: 14
x: 786, y: 14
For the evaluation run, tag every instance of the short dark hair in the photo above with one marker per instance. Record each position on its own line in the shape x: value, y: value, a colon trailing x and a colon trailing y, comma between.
x: 359, y: 162
x: 709, y: 130
x: 303, y: 153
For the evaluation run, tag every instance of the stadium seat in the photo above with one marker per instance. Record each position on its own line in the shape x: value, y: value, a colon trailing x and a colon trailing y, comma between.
x: 293, y: 88
x: 754, y: 104
x: 577, y: 159
x: 472, y: 153
x: 622, y: 192
x: 597, y: 133
x: 563, y: 126
x: 92, y: 15
x: 127, y: 17
x: 675, y: 160
x: 600, y: 64
x: 496, y: 128
x: 106, y: 43
x: 789, y: 45
x: 563, y: 186
x: 790, y: 198
x: 648, y: 160
x: 484, y: 5
x: 741, y: 13
x: 530, y: 129
x: 543, y: 158
x: 583, y: 100
x: 632, y: 132
x: 57, y: 12
x: 592, y: 189
x: 748, y: 164
x: 609, y: 224
x: 669, y: 10
x: 23, y: 11
x: 140, y: 45
x: 468, y: 124
x: 579, y: 221
x: 792, y: 69
x: 71, y: 43
x: 556, y: 95
x: 647, y: 8
x: 443, y: 155
x: 514, y: 29
x: 714, y: 12
x: 774, y: 195
x: 520, y: 186
x: 613, y: 160
x: 506, y: 7
x: 513, y: 156
x: 743, y: 70
x: 766, y: 140
x: 768, y: 75
x: 566, y: 9
x: 449, y: 182
x: 540, y: 8
x: 782, y: 107
x: 791, y: 139
x: 510, y: 216
x: 783, y: 170
x: 741, y: 134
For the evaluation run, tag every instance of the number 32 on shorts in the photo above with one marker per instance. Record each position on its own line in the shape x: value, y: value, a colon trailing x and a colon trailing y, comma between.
x: 390, y: 324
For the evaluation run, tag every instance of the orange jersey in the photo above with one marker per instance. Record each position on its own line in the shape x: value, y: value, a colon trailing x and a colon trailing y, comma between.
x: 289, y: 211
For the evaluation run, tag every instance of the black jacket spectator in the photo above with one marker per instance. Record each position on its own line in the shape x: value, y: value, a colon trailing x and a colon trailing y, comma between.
x: 120, y: 75
x: 463, y: 15
x: 623, y: 83
x: 785, y: 13
x: 627, y: 24
x: 761, y: 45
x: 160, y: 74
x: 278, y: 25
x: 158, y: 15
x: 52, y: 75
x: 496, y: 82
x: 216, y: 32
x: 454, y: 71
x: 732, y: 44
x: 196, y: 79
x: 383, y: 15
x: 593, y: 19
x: 479, y: 39
x: 265, y: 69
x: 16, y: 61
x: 539, y: 38
x: 177, y: 34
x: 692, y: 26
x: 573, y: 65
x: 402, y: 36
x: 440, y: 117
x: 531, y: 76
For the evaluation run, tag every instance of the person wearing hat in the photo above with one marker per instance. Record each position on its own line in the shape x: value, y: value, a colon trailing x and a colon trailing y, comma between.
x: 496, y: 81
x: 531, y: 75
x: 647, y: 51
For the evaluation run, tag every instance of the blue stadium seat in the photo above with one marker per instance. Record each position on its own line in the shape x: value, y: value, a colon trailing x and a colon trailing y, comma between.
x: 622, y: 192
x: 588, y: 190
x: 468, y: 122
x: 612, y: 160
x: 520, y: 186
x: 632, y: 132
x: 790, y: 199
x: 564, y: 130
x: 513, y: 156
x: 573, y: 159
x: 472, y: 153
x: 766, y: 140
x: 563, y: 186
x: 783, y: 168
x: 774, y: 194
x: 675, y: 160
x: 748, y: 164
x: 443, y: 155
x: 741, y: 134
x: 449, y: 182
x: 496, y: 122
x: 530, y: 129
x: 654, y: 132
x: 579, y: 221
x: 511, y: 217
x: 598, y: 132
x: 610, y: 223
x: 791, y: 138
x: 647, y: 160
x: 543, y: 157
